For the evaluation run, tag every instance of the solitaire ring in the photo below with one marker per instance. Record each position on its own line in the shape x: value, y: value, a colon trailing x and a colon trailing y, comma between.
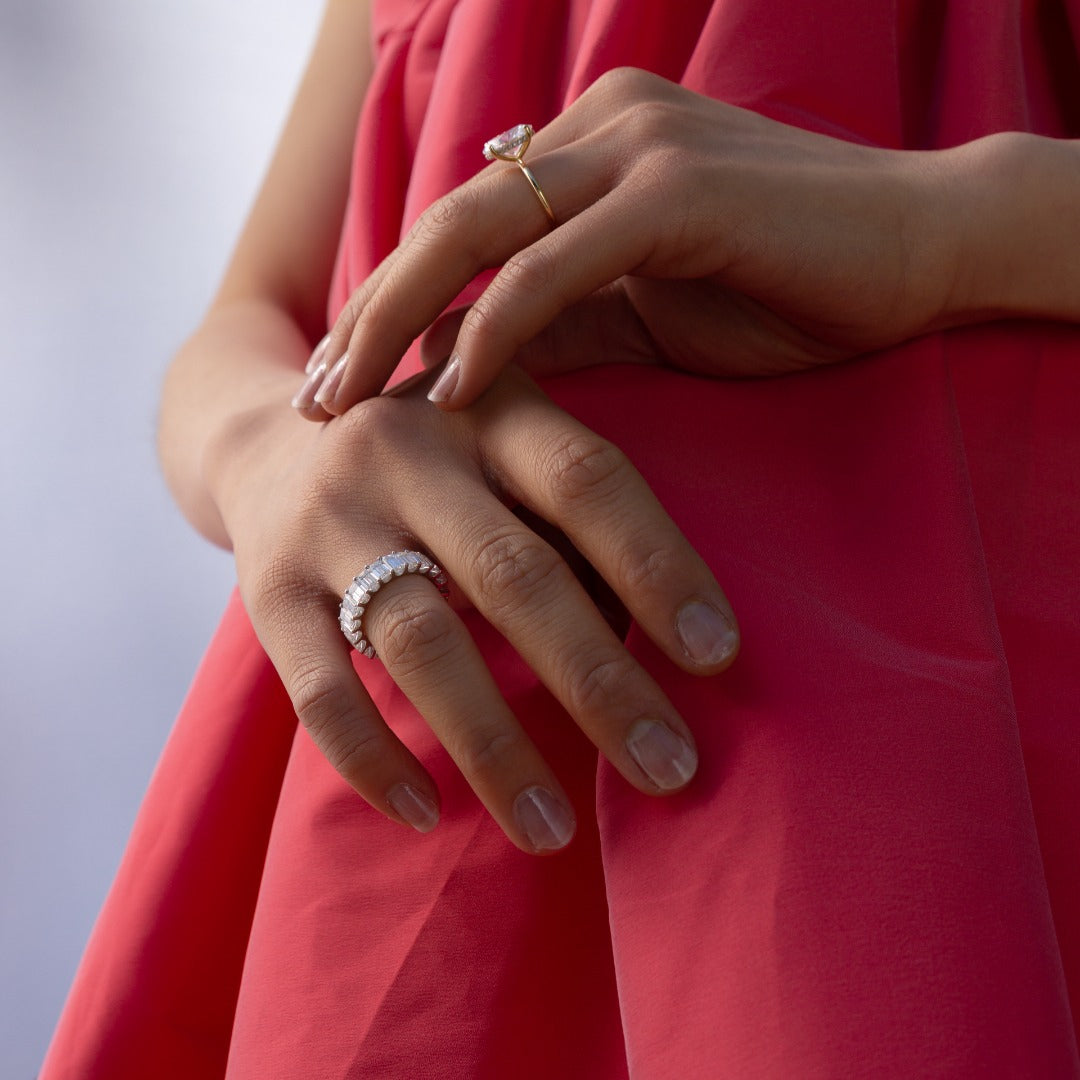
x: 511, y: 146
x: 370, y: 580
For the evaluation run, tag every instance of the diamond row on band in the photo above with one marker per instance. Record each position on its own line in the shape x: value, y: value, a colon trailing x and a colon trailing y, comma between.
x: 370, y: 580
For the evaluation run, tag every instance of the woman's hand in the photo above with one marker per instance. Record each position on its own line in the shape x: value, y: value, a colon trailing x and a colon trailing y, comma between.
x: 308, y: 507
x: 690, y: 232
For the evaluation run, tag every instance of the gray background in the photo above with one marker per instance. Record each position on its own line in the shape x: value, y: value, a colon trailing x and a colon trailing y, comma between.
x: 132, y: 138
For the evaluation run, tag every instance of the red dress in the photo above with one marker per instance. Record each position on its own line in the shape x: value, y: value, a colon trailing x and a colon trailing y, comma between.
x: 875, y: 872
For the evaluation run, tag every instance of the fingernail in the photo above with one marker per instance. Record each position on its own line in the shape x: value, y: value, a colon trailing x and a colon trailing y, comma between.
x: 306, y: 398
x: 446, y: 382
x: 316, y: 355
x: 708, y: 636
x: 414, y: 807
x: 666, y: 759
x: 333, y: 381
x: 543, y: 819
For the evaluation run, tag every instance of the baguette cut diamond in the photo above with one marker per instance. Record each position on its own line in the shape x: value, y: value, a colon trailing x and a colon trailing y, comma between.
x: 372, y: 578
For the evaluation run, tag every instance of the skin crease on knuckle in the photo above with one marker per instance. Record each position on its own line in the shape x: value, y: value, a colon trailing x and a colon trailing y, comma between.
x: 512, y: 572
x: 596, y: 684
x: 413, y: 634
x: 584, y: 470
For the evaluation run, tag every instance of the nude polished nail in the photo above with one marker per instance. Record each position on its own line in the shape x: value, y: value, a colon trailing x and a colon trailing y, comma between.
x: 414, y: 807
x: 316, y: 355
x: 446, y: 382
x: 667, y: 759
x: 544, y: 820
x: 306, y: 397
x: 332, y: 381
x: 707, y: 635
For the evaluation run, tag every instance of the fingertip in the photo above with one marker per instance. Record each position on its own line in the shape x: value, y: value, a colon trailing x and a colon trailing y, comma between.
x: 413, y: 807
x: 708, y: 634
x: 328, y: 392
x: 316, y: 355
x: 546, y: 821
x: 666, y: 758
x: 443, y: 389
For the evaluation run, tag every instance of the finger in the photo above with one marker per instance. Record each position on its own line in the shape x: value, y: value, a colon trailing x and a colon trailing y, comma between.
x: 302, y: 639
x: 529, y: 594
x: 604, y: 328
x: 584, y: 484
x: 431, y: 656
x: 473, y: 228
x: 538, y: 283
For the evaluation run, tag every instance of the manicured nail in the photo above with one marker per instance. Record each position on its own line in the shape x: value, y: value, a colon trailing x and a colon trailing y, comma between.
x: 306, y: 398
x: 414, y: 807
x: 446, y: 382
x: 543, y: 819
x: 316, y: 355
x: 333, y: 380
x: 665, y: 758
x: 708, y: 636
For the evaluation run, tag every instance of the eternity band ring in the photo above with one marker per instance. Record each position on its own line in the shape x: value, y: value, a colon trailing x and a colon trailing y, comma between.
x: 511, y: 146
x: 370, y: 580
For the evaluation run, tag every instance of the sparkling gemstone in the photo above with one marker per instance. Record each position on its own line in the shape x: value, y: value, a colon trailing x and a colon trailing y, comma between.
x: 398, y: 563
x: 384, y: 573
x: 349, y: 606
x: 509, y: 144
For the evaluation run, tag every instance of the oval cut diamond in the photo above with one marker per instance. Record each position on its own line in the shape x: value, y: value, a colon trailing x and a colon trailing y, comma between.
x: 510, y: 144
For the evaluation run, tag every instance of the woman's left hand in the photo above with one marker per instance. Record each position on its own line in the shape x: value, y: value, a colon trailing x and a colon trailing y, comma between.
x: 690, y: 232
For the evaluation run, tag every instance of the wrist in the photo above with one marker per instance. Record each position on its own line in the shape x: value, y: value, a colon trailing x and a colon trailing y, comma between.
x: 1016, y: 197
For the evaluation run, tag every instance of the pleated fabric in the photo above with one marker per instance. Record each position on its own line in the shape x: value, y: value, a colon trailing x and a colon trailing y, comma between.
x: 875, y: 872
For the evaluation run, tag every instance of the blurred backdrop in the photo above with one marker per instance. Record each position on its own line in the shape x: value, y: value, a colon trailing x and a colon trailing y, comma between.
x: 132, y: 138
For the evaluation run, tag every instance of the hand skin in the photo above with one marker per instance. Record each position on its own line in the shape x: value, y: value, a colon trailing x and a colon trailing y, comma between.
x: 283, y: 494
x: 710, y: 238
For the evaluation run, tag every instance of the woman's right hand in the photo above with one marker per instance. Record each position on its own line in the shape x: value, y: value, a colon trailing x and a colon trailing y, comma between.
x: 308, y: 506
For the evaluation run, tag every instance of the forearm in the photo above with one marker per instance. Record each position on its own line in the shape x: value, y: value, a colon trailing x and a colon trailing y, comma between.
x: 1021, y: 238
x: 225, y: 395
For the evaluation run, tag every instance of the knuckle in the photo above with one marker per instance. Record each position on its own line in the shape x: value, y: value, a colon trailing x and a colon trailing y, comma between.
x: 625, y: 83
x: 511, y: 570
x: 319, y: 699
x: 413, y: 632
x: 649, y: 571
x: 584, y: 467
x: 445, y: 219
x: 490, y: 751
x: 598, y: 682
x: 530, y: 271
x: 370, y: 427
x: 279, y: 588
x: 324, y: 707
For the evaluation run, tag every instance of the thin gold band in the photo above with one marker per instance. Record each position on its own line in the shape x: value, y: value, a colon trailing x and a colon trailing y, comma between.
x: 536, y: 187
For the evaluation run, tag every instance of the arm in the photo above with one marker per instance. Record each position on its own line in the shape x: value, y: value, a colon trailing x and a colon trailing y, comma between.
x: 228, y: 379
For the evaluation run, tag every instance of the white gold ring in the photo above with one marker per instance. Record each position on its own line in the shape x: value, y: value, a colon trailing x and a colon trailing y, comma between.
x: 371, y: 579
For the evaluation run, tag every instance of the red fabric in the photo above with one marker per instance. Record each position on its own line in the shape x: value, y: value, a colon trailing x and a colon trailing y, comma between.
x: 875, y: 872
